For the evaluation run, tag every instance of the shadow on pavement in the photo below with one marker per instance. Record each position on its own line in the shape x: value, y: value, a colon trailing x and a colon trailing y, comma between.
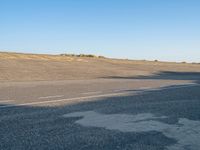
x: 40, y: 127
x: 165, y: 75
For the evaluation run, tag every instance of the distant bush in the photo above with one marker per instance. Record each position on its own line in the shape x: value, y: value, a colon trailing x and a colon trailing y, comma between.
x: 101, y: 57
x: 86, y: 55
x: 156, y: 60
x: 70, y: 55
x: 82, y: 55
x: 183, y: 62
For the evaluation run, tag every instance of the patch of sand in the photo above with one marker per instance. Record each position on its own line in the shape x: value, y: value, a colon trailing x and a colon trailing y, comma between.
x: 186, y: 132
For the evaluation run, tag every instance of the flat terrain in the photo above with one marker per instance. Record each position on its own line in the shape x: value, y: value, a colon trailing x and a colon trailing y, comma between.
x: 24, y: 67
x: 71, y: 103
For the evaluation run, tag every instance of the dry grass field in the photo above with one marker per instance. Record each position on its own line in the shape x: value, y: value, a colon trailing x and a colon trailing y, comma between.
x: 40, y: 67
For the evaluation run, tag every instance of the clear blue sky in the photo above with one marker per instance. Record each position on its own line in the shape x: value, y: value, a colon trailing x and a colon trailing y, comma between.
x: 136, y: 29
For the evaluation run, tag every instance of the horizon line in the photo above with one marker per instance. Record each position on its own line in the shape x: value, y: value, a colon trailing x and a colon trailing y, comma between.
x: 123, y: 58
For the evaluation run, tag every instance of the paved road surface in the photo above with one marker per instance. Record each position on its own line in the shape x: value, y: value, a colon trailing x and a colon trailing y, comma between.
x: 102, y: 114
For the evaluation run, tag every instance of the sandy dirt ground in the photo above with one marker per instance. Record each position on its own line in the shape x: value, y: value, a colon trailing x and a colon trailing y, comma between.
x: 32, y: 67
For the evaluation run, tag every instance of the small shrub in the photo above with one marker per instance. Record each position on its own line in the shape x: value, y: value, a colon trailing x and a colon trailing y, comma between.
x: 101, y: 57
x: 82, y: 55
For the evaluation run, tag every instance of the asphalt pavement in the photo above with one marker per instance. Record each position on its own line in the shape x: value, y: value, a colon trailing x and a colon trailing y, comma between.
x: 101, y: 114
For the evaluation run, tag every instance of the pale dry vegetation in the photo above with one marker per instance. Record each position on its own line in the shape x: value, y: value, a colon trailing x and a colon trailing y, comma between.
x: 32, y: 67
